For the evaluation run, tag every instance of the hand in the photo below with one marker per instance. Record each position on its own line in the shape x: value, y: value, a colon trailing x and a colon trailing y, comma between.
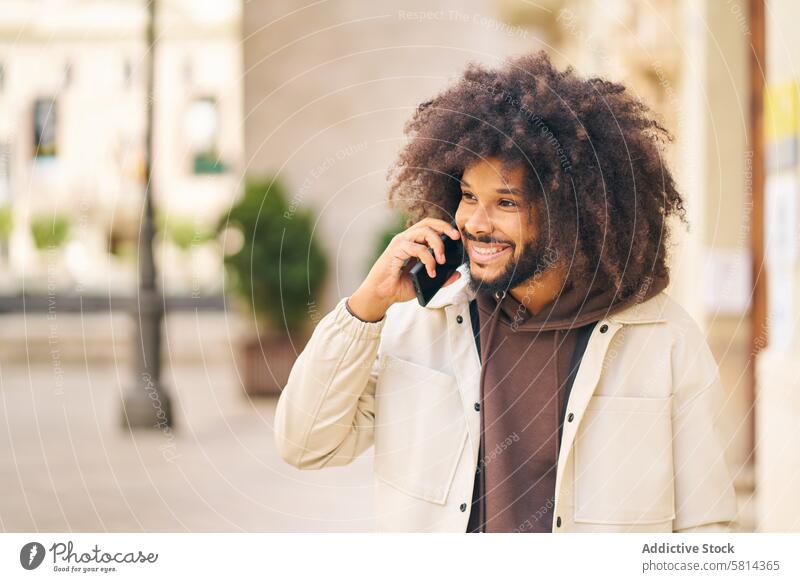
x: 388, y: 281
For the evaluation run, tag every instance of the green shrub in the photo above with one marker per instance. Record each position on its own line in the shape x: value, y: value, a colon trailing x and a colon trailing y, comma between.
x: 280, y: 268
x: 183, y: 232
x: 6, y: 222
x: 50, y: 231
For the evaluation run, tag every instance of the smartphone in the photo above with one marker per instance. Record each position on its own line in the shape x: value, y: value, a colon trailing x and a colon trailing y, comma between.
x: 425, y: 285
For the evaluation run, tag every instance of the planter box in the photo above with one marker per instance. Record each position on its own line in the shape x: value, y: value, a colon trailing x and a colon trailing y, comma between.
x: 266, y: 360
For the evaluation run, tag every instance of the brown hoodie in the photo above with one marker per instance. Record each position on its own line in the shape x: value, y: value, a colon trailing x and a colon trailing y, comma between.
x: 525, y: 378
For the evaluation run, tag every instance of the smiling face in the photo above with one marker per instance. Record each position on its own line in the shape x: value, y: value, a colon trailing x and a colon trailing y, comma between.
x: 498, y: 226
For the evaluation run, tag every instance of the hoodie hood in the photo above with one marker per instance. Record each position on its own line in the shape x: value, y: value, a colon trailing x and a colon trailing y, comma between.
x: 574, y: 307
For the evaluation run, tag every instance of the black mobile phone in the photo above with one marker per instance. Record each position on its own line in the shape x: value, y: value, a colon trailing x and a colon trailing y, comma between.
x: 427, y: 286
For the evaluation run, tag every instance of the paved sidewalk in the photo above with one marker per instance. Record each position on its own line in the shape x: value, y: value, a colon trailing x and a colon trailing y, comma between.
x: 65, y: 465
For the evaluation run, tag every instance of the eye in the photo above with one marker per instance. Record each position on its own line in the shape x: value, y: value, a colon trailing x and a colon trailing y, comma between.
x: 506, y: 203
x: 467, y: 196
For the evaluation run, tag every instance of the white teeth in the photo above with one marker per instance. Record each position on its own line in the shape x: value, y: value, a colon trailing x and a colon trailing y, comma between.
x: 488, y: 250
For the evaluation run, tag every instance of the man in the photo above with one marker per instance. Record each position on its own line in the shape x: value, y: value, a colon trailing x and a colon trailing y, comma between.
x: 552, y: 384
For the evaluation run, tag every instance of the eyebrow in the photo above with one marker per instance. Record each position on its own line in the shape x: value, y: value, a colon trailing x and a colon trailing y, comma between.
x: 498, y: 190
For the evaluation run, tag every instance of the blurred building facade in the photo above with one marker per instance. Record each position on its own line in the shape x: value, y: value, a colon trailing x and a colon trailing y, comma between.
x: 778, y: 365
x: 72, y: 134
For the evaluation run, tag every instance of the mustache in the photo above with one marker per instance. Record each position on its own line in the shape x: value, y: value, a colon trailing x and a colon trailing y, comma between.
x: 486, y: 239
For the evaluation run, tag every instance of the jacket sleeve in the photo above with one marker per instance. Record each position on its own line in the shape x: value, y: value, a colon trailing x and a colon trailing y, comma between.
x: 326, y: 412
x: 705, y: 500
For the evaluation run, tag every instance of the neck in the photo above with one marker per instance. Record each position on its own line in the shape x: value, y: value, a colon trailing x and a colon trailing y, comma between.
x: 540, y: 290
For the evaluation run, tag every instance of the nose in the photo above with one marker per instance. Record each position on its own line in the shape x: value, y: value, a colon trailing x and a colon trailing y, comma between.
x: 479, y: 222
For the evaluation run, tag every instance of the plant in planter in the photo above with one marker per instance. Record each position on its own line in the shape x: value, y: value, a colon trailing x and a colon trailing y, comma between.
x: 278, y: 274
x: 50, y: 232
x: 186, y: 238
x: 6, y: 227
x: 183, y: 232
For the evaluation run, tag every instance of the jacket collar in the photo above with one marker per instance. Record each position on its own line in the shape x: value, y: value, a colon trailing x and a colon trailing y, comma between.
x: 458, y: 292
x: 650, y: 311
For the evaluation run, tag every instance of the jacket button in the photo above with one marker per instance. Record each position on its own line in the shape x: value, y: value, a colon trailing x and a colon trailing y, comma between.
x: 558, y: 521
x: 463, y: 507
x: 603, y: 328
x: 460, y: 319
x: 477, y: 406
x: 570, y: 417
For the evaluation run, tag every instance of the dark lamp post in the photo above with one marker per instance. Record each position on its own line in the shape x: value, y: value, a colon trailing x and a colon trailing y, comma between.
x: 145, y: 402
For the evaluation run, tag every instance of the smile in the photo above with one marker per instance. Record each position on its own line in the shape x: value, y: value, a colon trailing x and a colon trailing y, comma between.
x: 486, y: 253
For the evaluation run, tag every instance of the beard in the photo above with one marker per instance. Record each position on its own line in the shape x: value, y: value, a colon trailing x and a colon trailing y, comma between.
x: 532, y: 262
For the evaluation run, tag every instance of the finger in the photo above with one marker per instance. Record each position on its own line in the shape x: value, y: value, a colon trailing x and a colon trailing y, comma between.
x: 430, y: 236
x: 412, y: 249
x: 441, y: 226
x: 453, y: 278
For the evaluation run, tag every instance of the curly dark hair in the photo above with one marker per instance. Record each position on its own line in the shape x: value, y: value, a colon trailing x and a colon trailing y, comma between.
x: 592, y: 154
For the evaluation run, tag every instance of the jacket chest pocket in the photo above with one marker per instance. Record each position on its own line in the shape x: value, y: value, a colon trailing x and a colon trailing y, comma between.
x: 420, y: 430
x: 623, y: 462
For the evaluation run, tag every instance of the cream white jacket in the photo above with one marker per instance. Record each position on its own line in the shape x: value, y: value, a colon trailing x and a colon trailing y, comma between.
x: 642, y: 453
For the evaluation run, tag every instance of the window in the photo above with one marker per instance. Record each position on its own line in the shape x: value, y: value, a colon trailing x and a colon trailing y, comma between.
x: 44, y: 128
x: 202, y: 135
